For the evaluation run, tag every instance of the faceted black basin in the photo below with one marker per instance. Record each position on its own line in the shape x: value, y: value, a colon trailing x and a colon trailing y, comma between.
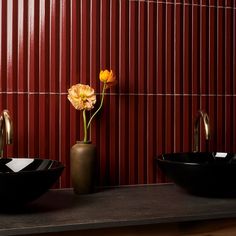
x: 211, y: 174
x: 25, y: 179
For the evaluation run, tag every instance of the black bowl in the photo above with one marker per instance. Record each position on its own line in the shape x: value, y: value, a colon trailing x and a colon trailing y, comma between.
x: 25, y: 179
x: 210, y: 174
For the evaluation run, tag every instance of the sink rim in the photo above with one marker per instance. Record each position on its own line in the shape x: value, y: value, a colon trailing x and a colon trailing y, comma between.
x: 210, y: 158
x: 208, y: 178
x: 58, y: 166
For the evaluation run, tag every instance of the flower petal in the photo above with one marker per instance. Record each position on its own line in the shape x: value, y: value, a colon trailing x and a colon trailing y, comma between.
x: 82, y: 97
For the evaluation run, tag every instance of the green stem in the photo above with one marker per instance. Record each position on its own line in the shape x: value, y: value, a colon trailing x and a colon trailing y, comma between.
x: 85, y: 128
x: 103, y: 94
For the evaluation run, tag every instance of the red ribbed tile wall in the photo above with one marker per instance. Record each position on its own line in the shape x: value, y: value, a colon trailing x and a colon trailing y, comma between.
x: 171, y: 58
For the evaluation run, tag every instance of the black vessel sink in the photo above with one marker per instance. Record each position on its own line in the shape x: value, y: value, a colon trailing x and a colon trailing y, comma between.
x: 25, y: 179
x: 210, y: 174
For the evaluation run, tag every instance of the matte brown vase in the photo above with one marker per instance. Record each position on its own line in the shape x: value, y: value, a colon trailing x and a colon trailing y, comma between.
x: 82, y: 167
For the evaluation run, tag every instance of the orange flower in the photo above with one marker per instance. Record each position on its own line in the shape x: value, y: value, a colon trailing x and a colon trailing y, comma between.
x: 82, y: 97
x: 107, y: 77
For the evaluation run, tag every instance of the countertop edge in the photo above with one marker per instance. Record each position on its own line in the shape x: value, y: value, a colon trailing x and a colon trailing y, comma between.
x: 108, y: 224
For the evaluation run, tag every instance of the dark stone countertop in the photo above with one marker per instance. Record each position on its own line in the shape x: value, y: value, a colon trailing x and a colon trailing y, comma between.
x: 62, y: 210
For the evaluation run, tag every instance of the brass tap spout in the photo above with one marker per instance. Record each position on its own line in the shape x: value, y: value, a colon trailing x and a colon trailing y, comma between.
x: 6, y: 128
x: 205, y: 118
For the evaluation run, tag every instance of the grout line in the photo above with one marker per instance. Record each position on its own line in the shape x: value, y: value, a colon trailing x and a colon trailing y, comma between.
x: 185, y: 4
x: 208, y: 66
x: 175, y: 25
x: 123, y: 94
x: 200, y: 54
x: 148, y: 102
x: 119, y: 105
x: 157, y: 72
x: 61, y: 5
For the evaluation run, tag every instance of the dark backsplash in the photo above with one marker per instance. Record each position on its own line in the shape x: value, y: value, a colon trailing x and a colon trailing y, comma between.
x: 170, y: 58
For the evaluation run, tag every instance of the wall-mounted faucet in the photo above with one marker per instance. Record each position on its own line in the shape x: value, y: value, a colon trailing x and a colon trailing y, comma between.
x: 6, y: 129
x: 205, y: 118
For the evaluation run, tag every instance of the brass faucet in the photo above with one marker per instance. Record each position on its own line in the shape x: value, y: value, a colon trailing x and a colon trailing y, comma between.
x: 205, y: 118
x: 6, y: 128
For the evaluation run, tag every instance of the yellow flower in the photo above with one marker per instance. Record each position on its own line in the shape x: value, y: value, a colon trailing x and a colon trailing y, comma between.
x: 107, y: 77
x: 82, y: 97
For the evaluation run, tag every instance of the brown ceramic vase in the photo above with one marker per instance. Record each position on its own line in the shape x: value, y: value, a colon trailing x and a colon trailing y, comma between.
x: 82, y: 167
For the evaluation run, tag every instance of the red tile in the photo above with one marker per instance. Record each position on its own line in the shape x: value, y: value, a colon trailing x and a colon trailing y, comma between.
x: 152, y: 48
x: 123, y: 139
x: 123, y: 47
x: 169, y: 1
x: 151, y: 138
x: 104, y: 135
x: 169, y: 49
x: 234, y: 51
x: 104, y: 34
x: 212, y: 104
x: 229, y: 3
x: 161, y: 57
x: 228, y: 122
x: 178, y: 123
x: 221, y: 3
x: 197, y: 2
x: 113, y: 137
x: 10, y: 47
x: 204, y: 2
x: 133, y: 139
x: 169, y: 131
x: 3, y: 45
x: 187, y: 124
x: 160, y: 132
x: 179, y: 1
x: 204, y: 55
x: 20, y: 125
x: 43, y: 134
x: 34, y: 120
x: 187, y: 1
x: 95, y: 43
x: 142, y: 47
x: 54, y: 54
x: 212, y: 51
x: 220, y: 125
x: 114, y: 41
x: 64, y: 66
x: 212, y: 3
x: 187, y: 48
x: 64, y: 138
x: 179, y: 44
x: 42, y: 47
x: 142, y: 142
x: 195, y: 106
x: 134, y: 48
x: 220, y: 52
x: 73, y: 43
x: 22, y: 59
x: 33, y: 46
x: 168, y: 124
x: 228, y: 72
x: 53, y: 127
x: 195, y: 50
x: 84, y: 43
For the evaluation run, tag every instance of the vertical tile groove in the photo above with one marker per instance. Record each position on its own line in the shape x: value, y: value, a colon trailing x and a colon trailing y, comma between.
x: 170, y: 58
